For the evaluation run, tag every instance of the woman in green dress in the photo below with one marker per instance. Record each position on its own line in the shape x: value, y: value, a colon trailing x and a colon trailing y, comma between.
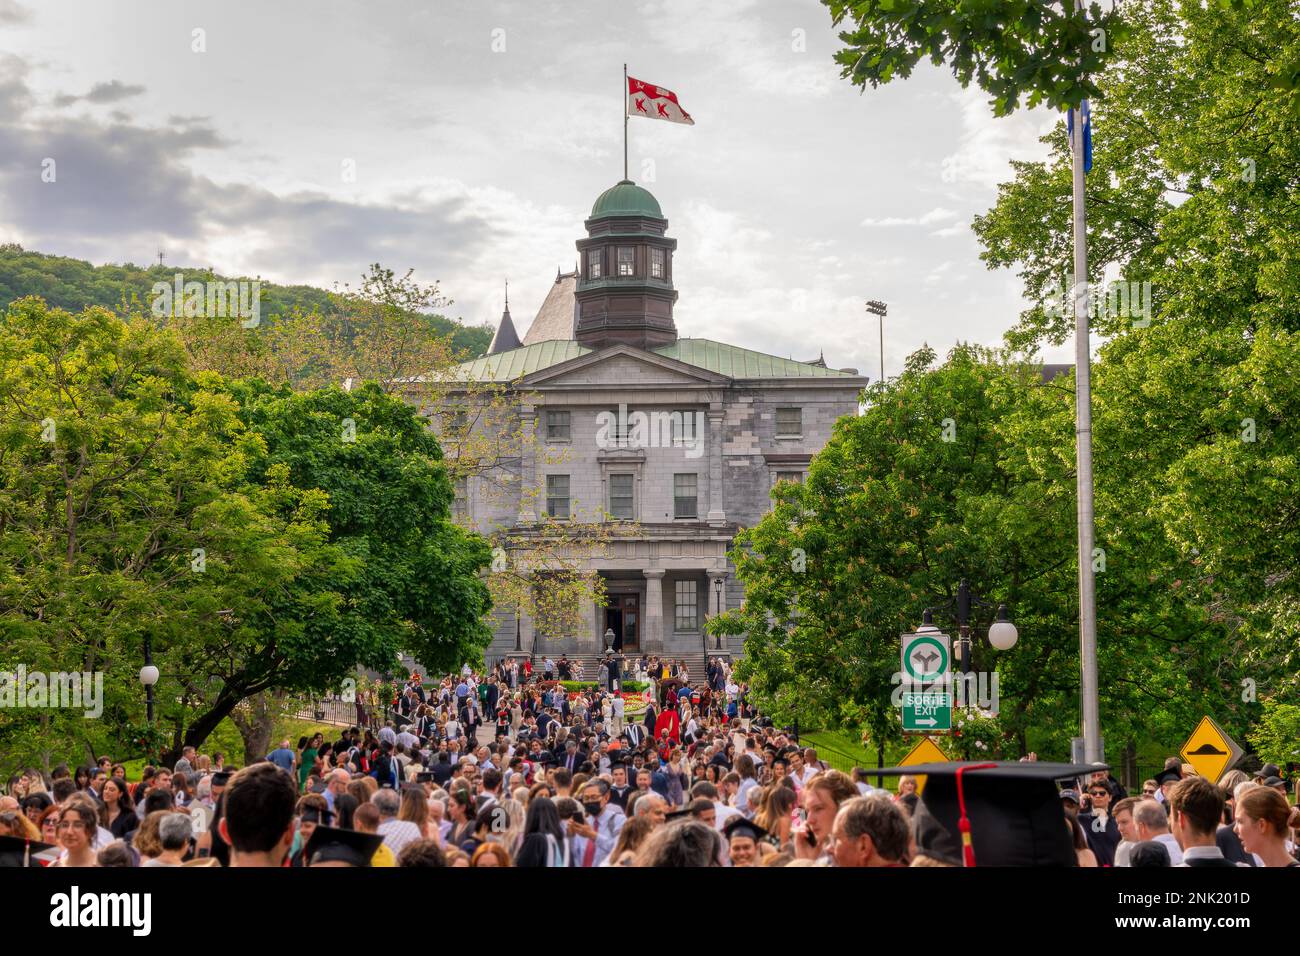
x: 308, y: 760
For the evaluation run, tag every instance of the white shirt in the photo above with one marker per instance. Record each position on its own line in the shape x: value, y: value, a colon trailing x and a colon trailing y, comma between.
x: 1175, y: 851
x: 1201, y: 853
x: 724, y: 813
x: 398, y: 833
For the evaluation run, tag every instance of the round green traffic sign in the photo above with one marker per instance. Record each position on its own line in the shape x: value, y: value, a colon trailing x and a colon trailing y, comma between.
x: 939, y: 655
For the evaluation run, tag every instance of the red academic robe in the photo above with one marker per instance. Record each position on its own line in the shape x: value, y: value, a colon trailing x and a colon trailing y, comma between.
x: 669, y: 720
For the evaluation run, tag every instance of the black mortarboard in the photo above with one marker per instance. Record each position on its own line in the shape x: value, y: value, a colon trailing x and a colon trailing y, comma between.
x: 1011, y: 813
x: 332, y: 845
x: 20, y: 852
x: 316, y: 815
x: 739, y: 826
x: 424, y: 777
x: 1165, y: 776
x: 1149, y: 853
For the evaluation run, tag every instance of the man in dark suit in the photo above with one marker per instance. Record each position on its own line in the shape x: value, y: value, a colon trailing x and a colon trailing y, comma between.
x: 1196, y: 807
x: 573, y: 758
x: 441, y: 769
x: 1099, y: 825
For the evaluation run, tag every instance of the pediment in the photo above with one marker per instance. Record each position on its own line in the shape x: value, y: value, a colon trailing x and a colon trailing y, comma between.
x: 623, y: 366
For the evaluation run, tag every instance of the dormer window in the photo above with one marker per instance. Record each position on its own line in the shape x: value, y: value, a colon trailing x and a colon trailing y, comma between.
x: 626, y: 261
x: 657, y: 262
x: 593, y: 264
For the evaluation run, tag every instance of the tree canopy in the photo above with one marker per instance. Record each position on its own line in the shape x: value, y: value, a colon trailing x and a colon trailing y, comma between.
x: 259, y: 537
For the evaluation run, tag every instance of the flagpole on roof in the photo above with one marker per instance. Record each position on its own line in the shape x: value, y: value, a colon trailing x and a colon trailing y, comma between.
x: 624, y: 95
x: 1088, y: 684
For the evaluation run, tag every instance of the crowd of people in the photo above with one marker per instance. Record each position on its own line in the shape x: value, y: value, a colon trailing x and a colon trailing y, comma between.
x: 513, y: 768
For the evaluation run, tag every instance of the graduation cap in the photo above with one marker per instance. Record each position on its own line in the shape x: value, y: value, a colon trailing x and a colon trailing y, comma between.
x: 424, y: 777
x: 21, y: 852
x: 1173, y: 774
x: 739, y: 826
x: 996, y: 814
x: 316, y: 815
x: 349, y: 847
x: 221, y: 778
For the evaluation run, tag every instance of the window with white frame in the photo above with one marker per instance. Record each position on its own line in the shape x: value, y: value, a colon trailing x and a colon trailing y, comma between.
x: 685, y: 496
x: 594, y: 263
x: 789, y: 422
x: 626, y: 261
x: 557, y: 496
x: 621, y: 489
x: 686, y: 616
x: 658, y: 261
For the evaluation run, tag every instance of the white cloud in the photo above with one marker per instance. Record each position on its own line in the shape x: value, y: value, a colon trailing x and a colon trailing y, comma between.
x: 938, y: 214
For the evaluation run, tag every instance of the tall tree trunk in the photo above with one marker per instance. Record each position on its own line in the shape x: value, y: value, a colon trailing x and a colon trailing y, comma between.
x: 255, y: 719
x: 203, y: 726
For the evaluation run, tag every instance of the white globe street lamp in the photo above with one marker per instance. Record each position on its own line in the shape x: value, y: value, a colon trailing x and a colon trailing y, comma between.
x: 1002, y: 633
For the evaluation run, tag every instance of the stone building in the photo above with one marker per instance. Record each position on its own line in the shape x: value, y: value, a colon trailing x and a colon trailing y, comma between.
x: 679, y: 440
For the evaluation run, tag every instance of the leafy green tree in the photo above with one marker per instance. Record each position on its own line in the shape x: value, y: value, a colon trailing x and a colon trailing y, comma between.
x: 1041, y: 50
x: 1276, y: 738
x: 260, y: 539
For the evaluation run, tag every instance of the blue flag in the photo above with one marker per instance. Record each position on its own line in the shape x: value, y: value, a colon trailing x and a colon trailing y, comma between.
x: 1087, y: 134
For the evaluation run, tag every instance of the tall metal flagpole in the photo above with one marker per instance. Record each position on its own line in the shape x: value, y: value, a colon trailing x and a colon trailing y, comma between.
x: 1091, y: 715
x: 625, y: 121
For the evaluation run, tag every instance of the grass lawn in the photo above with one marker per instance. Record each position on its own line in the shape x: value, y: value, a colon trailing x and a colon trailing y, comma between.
x: 225, y: 739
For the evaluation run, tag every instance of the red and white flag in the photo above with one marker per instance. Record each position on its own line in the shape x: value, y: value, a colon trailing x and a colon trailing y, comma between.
x: 654, y: 102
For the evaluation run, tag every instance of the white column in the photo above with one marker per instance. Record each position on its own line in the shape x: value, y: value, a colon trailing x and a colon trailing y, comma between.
x: 654, y: 611
x: 717, y: 514
x: 527, y: 632
x: 590, y: 634
x: 528, y: 489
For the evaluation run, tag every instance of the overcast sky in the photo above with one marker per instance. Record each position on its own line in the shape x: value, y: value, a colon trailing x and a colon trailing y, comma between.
x: 480, y: 133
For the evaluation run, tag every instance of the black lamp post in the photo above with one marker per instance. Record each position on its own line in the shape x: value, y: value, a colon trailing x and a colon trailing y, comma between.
x: 717, y: 589
x: 1002, y: 633
x: 148, y: 677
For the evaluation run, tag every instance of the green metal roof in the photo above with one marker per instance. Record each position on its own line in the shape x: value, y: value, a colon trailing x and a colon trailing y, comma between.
x: 735, y: 362
x: 508, y: 366
x: 729, y: 360
x: 626, y: 199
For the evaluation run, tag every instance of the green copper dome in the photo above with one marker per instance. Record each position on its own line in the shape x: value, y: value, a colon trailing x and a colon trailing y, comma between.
x: 626, y: 199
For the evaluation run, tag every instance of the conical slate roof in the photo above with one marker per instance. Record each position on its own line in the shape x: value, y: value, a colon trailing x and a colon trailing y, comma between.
x: 506, y: 338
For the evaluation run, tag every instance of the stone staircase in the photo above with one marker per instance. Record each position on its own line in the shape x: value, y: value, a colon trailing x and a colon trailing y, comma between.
x: 696, y: 664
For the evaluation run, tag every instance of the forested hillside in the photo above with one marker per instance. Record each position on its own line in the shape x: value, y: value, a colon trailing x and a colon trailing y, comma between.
x: 74, y: 284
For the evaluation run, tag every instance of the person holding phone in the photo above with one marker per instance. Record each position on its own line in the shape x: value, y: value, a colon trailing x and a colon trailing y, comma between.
x: 822, y: 797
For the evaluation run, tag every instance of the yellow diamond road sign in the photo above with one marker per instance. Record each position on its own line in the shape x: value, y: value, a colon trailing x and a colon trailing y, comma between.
x: 927, y: 751
x: 1210, y: 750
